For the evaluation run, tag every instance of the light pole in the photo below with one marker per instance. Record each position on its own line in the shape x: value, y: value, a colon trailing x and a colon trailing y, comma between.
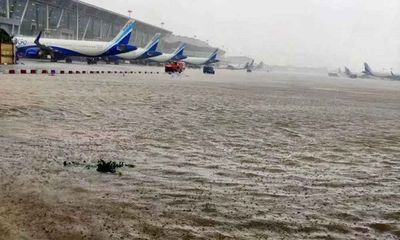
x: 162, y: 24
x: 130, y: 13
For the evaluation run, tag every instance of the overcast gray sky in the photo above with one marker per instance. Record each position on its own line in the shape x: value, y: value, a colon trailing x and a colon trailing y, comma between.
x: 316, y: 33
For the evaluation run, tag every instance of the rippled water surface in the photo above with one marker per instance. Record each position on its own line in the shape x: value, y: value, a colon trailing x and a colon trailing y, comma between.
x: 231, y: 156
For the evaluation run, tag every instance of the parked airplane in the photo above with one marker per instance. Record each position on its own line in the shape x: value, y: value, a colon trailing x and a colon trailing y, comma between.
x: 65, y: 49
x: 203, y: 61
x: 249, y: 66
x: 143, y: 53
x: 236, y: 66
x: 368, y: 71
x: 177, y: 55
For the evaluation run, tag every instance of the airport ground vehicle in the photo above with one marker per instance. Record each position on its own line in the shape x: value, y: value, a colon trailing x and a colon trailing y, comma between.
x: 175, y: 67
x: 208, y: 70
x: 91, y: 61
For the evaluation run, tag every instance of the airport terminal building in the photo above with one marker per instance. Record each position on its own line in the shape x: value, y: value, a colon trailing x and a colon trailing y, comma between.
x: 74, y: 19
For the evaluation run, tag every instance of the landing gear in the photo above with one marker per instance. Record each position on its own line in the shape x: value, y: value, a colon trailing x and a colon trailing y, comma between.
x: 116, y: 62
x: 53, y: 59
x: 68, y: 60
x: 91, y: 61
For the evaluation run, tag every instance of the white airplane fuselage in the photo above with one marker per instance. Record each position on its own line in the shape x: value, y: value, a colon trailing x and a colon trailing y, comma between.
x: 196, y: 60
x: 163, y: 58
x: 381, y: 75
x: 134, y: 55
x: 69, y: 47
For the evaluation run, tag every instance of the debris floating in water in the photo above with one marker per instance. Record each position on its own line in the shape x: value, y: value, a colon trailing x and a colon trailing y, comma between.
x: 74, y: 164
x: 102, y: 166
x: 108, y: 167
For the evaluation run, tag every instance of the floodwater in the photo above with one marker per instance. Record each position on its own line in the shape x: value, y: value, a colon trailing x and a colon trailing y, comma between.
x: 231, y: 156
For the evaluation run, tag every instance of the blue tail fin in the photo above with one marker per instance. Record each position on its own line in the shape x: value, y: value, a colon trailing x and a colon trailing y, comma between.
x: 213, y: 57
x: 179, y: 53
x: 153, y: 44
x: 124, y: 36
x: 120, y: 44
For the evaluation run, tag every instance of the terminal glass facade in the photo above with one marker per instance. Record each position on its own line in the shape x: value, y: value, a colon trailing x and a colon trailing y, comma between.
x: 73, y: 19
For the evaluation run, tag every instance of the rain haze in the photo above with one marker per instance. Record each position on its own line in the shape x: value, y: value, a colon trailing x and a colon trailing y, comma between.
x: 312, y: 33
x: 108, y: 134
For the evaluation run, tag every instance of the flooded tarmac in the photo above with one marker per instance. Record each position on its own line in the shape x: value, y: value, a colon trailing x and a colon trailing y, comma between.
x: 231, y: 156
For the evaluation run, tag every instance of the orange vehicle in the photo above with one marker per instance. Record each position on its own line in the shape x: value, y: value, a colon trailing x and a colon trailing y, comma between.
x: 175, y: 67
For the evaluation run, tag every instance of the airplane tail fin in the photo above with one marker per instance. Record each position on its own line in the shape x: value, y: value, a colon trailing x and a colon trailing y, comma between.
x: 347, y: 71
x: 251, y: 64
x: 367, y: 69
x: 180, y: 52
x: 125, y: 34
x: 213, y: 56
x: 37, y: 40
x: 153, y: 44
